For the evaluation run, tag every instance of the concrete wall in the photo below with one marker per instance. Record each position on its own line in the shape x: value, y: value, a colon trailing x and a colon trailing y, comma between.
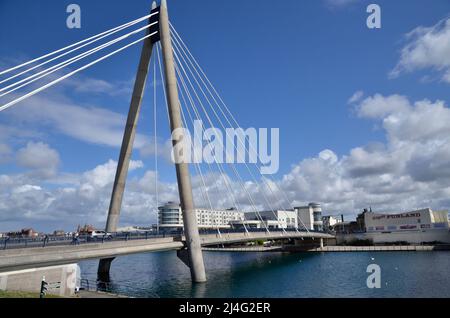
x: 29, y: 280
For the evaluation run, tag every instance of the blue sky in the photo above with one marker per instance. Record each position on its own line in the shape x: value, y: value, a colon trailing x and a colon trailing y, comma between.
x: 290, y: 64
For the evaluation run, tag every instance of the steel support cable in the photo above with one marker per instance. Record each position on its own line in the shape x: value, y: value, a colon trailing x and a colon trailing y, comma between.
x: 178, y: 37
x: 196, y: 164
x: 220, y: 121
x: 221, y: 171
x: 71, y: 51
x: 199, y: 171
x: 5, y: 106
x: 211, y: 123
x: 240, y: 180
x: 223, y: 126
x: 185, y: 123
x: 77, y: 43
x: 155, y: 143
x: 212, y: 86
x: 240, y: 140
x: 218, y: 165
x: 33, y: 78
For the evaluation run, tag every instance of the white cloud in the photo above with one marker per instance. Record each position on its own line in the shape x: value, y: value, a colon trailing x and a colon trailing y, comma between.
x: 40, y: 158
x: 356, y: 97
x: 89, y: 124
x: 339, y: 3
x: 84, y: 84
x: 422, y: 121
x: 426, y: 48
x: 378, y: 106
x: 5, y: 153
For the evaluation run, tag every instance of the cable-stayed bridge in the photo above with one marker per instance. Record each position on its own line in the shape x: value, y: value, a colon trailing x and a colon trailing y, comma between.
x: 189, y: 97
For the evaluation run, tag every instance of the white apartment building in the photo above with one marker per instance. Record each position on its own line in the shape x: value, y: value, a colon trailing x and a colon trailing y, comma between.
x: 310, y: 216
x: 170, y: 217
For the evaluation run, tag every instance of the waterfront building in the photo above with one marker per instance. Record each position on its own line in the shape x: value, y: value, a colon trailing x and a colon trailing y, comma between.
x: 24, y: 233
x: 277, y: 219
x: 171, y: 219
x: 418, y: 220
x: 414, y: 227
x: 330, y: 221
x: 59, y: 233
x: 310, y: 216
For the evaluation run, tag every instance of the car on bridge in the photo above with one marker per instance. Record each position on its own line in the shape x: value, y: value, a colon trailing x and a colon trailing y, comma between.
x: 96, y: 234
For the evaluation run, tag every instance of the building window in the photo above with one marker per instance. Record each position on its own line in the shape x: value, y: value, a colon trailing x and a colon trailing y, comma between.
x: 317, y: 216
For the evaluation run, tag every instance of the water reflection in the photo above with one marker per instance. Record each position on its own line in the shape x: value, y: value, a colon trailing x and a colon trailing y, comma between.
x: 404, y: 274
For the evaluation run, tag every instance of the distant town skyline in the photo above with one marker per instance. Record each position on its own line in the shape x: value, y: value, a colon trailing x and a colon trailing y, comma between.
x: 363, y: 113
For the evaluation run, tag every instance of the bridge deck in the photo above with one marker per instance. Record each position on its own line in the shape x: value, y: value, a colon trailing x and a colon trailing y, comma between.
x: 33, y: 257
x: 24, y: 258
x: 228, y: 238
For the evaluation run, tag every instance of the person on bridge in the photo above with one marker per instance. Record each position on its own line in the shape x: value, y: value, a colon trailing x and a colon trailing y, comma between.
x: 46, y: 239
x: 75, y: 239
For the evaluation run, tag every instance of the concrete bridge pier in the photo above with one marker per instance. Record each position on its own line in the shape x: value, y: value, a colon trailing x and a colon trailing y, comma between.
x: 104, y: 267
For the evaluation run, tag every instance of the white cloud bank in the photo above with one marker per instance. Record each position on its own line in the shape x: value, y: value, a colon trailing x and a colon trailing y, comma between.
x: 410, y: 170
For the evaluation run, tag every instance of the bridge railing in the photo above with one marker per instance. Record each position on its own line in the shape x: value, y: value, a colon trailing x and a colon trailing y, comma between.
x: 44, y: 241
x: 256, y: 230
x: 51, y: 240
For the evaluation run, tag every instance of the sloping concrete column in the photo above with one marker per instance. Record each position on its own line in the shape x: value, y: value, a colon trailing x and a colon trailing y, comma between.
x: 127, y: 145
x: 194, y: 248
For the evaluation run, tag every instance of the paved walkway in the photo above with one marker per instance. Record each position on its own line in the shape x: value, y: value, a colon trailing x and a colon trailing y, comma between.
x: 244, y: 249
x: 389, y: 248
x: 93, y: 294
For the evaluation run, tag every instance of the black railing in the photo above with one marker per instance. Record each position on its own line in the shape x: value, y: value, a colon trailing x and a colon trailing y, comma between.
x: 12, y: 243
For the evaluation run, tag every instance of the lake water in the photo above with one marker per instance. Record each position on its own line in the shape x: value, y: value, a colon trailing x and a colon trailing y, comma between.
x: 403, y: 274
